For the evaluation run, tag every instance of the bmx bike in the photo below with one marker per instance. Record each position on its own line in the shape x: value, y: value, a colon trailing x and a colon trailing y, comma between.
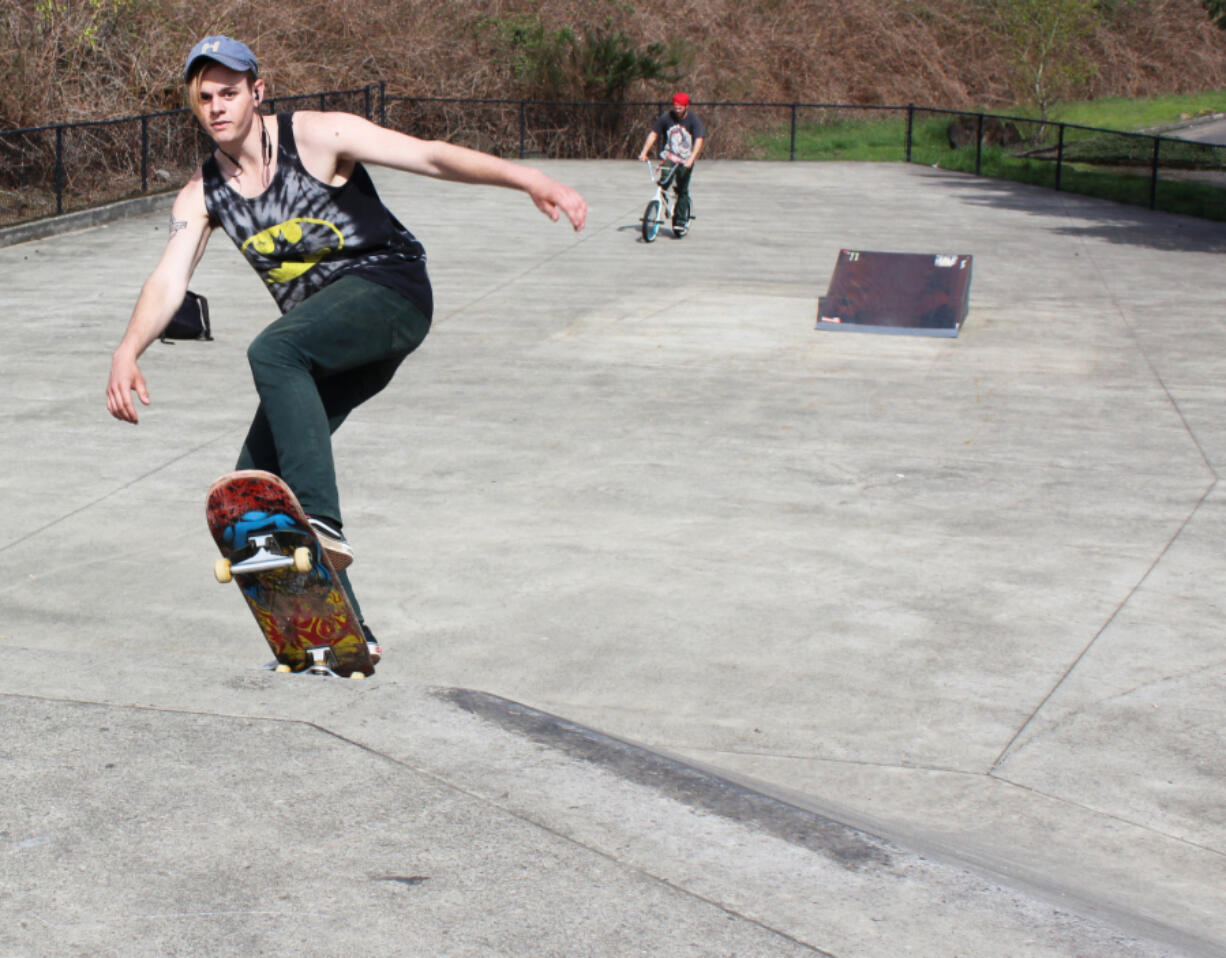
x: 663, y: 206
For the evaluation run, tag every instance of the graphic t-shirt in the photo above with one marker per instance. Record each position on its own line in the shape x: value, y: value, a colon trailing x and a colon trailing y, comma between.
x: 678, y: 136
x: 301, y: 234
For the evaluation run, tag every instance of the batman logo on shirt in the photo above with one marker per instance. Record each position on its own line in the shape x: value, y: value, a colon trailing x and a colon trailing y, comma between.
x: 298, y: 243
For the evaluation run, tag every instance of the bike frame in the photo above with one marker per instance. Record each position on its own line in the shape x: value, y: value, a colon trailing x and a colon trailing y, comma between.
x: 661, y: 207
x: 662, y: 177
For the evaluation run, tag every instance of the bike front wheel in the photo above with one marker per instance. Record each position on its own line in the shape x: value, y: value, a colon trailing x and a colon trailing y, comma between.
x: 651, y: 221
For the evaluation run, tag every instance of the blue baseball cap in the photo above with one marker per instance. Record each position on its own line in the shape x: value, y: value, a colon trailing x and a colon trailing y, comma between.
x: 229, y: 53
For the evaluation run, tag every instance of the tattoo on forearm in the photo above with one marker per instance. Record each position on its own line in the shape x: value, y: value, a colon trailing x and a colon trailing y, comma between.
x: 176, y: 225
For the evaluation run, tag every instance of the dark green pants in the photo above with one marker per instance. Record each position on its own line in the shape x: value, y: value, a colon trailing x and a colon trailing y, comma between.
x: 677, y: 176
x: 681, y: 213
x: 312, y: 368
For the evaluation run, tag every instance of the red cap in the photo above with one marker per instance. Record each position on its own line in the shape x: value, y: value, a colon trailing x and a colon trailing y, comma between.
x: 681, y: 99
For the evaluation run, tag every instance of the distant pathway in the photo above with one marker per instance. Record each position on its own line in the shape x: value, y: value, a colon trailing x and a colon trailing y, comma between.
x: 1211, y: 131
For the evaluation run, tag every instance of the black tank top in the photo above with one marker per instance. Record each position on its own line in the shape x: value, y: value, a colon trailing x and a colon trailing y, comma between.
x: 301, y: 234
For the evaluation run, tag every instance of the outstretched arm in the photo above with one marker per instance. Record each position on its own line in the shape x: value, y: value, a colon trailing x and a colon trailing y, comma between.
x: 331, y: 140
x: 159, y: 298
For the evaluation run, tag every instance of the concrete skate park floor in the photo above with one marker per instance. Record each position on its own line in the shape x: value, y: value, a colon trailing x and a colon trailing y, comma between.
x: 915, y: 642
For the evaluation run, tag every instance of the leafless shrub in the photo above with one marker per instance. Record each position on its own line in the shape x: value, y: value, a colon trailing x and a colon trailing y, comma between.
x: 63, y: 60
x: 86, y: 60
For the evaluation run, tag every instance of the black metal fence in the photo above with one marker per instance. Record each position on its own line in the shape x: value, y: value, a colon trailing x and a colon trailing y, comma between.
x: 49, y: 170
x: 1143, y: 169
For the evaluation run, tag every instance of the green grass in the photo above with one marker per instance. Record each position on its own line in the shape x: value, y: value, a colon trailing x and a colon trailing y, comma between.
x: 1121, y: 186
x: 871, y: 141
x: 1105, y: 165
x: 1124, y: 114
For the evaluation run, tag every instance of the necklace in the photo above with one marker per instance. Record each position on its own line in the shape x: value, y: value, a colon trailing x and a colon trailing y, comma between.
x: 265, y: 154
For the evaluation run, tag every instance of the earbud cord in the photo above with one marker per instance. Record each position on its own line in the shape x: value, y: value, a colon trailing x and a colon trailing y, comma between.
x: 265, y: 148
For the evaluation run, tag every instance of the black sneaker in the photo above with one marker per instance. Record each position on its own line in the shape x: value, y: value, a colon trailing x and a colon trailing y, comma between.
x: 372, y: 645
x: 333, y: 542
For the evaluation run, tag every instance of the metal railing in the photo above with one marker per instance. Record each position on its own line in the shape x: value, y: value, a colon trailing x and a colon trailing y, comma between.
x: 1143, y: 169
x: 50, y: 170
x: 63, y: 167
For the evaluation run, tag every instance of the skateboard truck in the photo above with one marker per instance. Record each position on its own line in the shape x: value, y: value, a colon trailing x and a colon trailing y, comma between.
x: 323, y: 662
x: 263, y: 559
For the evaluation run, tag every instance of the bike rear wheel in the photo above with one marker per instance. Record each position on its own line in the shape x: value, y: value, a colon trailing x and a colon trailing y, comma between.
x: 651, y: 221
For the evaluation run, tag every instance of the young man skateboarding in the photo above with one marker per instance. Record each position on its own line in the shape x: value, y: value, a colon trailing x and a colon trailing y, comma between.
x: 683, y: 136
x: 292, y: 194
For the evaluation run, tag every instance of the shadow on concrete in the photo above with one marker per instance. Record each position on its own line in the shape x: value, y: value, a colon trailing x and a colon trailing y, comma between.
x: 1118, y: 223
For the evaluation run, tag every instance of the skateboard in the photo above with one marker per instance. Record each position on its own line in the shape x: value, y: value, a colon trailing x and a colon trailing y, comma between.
x: 297, y: 599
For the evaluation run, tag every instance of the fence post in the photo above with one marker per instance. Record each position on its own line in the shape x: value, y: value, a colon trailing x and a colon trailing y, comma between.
x: 1153, y: 176
x: 523, y: 128
x: 59, y: 170
x: 366, y: 101
x: 1060, y: 156
x: 144, y: 152
x: 382, y: 103
x: 910, y: 124
x: 979, y: 147
x: 792, y: 149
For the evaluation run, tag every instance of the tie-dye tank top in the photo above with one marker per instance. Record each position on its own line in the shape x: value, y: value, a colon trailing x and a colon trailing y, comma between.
x: 301, y: 234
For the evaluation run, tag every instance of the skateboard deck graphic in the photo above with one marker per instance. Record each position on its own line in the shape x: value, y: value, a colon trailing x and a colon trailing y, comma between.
x: 289, y: 584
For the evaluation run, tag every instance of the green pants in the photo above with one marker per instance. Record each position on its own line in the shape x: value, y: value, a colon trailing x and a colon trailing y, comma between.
x: 312, y: 368
x: 681, y: 214
x: 677, y: 176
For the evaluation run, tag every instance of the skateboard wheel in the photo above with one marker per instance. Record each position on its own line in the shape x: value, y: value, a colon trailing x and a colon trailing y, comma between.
x: 355, y: 674
x: 302, y: 559
x: 221, y: 570
x: 282, y: 667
